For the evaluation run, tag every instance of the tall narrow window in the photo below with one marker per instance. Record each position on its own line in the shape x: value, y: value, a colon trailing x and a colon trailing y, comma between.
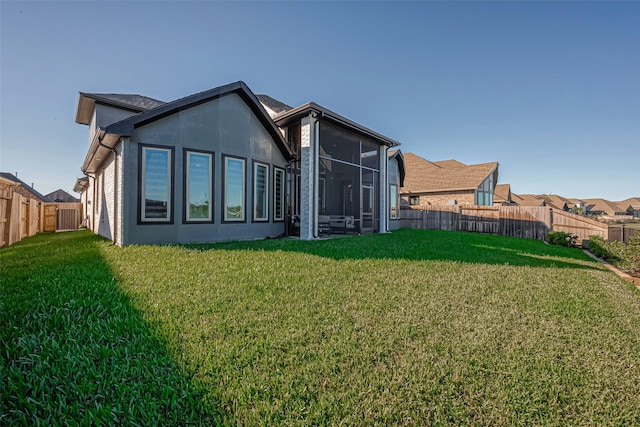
x: 278, y: 195
x: 260, y: 192
x: 393, y: 201
x: 234, y: 189
x: 155, y: 197
x: 198, y: 186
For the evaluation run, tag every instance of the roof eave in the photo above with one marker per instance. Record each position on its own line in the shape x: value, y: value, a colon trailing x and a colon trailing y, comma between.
x: 86, y: 105
x: 101, y: 145
x: 297, y: 113
x: 81, y: 185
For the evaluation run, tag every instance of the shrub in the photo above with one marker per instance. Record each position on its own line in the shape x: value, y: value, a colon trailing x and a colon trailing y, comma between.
x: 562, y: 239
x: 597, y: 246
x: 625, y: 257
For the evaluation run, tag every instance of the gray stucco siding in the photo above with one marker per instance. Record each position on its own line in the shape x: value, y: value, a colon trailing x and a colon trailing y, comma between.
x: 223, y: 126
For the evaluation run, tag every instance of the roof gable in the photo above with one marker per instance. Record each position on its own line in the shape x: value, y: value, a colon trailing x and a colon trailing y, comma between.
x: 112, y: 133
x: 502, y: 193
x: 287, y: 117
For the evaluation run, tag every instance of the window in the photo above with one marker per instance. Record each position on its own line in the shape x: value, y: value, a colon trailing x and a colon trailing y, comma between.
x: 260, y: 192
x: 278, y: 194
x: 156, y: 184
x: 414, y: 200
x: 393, y: 201
x: 198, y: 186
x: 234, y: 189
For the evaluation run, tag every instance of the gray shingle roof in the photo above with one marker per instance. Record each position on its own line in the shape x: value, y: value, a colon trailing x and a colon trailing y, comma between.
x: 273, y: 104
x: 61, y: 196
x: 138, y: 102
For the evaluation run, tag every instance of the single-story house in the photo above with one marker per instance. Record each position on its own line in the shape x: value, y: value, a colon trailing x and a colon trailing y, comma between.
x: 448, y: 182
x: 631, y: 206
x: 604, y: 208
x: 225, y: 164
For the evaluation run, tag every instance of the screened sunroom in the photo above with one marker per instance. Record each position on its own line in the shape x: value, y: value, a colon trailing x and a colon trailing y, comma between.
x: 339, y: 181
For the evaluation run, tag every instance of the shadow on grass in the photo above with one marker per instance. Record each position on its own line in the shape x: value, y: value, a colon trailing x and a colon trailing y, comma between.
x: 75, y: 350
x: 423, y: 245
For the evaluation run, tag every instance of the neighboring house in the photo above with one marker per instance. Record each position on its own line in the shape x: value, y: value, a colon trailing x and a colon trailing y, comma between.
x: 557, y: 202
x: 631, y: 206
x: 502, y: 195
x: 448, y: 182
x: 61, y: 196
x: 604, y: 208
x: 225, y: 164
x: 23, y: 188
x: 527, y: 200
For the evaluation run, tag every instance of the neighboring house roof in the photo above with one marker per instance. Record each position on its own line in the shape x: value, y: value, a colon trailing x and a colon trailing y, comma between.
x: 109, y: 136
x: 295, y: 114
x: 134, y: 103
x: 556, y: 202
x: 502, y: 193
x: 605, y: 206
x: 23, y: 188
x: 61, y: 196
x: 527, y: 200
x: 273, y: 106
x: 424, y: 176
x: 632, y: 203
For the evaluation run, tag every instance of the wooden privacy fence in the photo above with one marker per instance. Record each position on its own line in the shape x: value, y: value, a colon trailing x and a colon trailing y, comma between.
x: 621, y: 233
x: 22, y: 217
x: 19, y: 217
x: 531, y: 222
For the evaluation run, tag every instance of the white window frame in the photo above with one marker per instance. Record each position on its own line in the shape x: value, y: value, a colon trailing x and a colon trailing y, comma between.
x: 188, y: 154
x: 143, y: 189
x: 256, y: 196
x: 225, y: 215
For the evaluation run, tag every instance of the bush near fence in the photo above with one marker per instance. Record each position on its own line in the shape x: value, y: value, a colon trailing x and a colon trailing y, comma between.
x: 624, y: 256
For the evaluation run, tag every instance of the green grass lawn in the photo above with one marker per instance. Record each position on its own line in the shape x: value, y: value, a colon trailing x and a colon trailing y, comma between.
x: 408, y: 328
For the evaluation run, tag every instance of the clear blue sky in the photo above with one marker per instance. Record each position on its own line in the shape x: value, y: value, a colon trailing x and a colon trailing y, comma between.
x: 551, y: 90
